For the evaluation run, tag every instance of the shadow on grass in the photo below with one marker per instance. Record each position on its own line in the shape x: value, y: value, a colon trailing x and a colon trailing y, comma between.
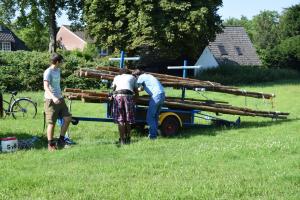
x: 269, y: 84
x: 249, y: 124
x: 27, y: 141
x: 215, y: 130
x: 199, y: 130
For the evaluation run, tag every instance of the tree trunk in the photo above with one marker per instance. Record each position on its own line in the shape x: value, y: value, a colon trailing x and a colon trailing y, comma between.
x: 52, y: 25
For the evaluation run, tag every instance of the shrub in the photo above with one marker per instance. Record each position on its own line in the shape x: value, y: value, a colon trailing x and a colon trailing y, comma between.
x: 286, y: 54
x: 234, y: 74
x: 23, y: 70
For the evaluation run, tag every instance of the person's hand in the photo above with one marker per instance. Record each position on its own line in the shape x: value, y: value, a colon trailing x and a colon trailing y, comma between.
x: 140, y: 89
x: 56, y: 100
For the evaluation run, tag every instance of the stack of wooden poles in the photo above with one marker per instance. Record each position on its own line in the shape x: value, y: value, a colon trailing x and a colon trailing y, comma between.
x: 177, y: 103
x: 108, y: 73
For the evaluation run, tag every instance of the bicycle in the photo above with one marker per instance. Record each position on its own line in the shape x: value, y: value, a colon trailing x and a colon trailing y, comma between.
x: 19, y: 107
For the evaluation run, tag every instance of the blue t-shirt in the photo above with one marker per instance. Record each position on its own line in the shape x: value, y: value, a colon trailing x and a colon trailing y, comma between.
x: 151, y: 85
x: 53, y: 77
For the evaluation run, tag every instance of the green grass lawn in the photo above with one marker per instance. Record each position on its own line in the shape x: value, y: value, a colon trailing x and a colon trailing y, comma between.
x: 259, y: 160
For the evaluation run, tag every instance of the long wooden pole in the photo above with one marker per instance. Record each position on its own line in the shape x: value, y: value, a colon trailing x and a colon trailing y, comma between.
x: 180, y: 82
x: 101, y: 97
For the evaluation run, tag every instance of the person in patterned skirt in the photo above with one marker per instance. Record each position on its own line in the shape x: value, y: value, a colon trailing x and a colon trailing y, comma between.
x: 124, y: 87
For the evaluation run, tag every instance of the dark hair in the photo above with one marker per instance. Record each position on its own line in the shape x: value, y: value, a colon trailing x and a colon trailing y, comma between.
x: 56, y: 58
x: 124, y: 71
x: 137, y: 72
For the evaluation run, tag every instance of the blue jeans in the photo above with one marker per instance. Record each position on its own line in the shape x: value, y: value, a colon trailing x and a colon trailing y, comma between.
x: 154, y: 109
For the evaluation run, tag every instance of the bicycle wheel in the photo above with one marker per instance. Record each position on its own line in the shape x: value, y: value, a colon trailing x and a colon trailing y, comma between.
x: 5, y: 105
x: 23, y: 108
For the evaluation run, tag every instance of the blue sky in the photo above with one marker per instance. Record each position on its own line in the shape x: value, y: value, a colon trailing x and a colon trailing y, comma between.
x: 237, y: 8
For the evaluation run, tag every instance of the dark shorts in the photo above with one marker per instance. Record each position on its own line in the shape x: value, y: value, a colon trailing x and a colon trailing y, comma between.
x: 54, y: 111
x: 123, y: 109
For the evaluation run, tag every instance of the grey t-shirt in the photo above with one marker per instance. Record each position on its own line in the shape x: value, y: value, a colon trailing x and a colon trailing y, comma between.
x: 124, y: 82
x: 53, y: 77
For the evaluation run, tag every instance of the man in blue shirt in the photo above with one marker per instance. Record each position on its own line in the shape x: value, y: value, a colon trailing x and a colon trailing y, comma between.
x: 156, y: 91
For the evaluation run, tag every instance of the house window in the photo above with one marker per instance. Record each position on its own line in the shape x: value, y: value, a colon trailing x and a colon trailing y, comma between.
x: 5, y: 46
x: 103, y: 52
x: 239, y: 51
x: 222, y: 50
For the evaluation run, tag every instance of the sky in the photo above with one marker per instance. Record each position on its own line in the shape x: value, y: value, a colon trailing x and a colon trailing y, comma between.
x: 236, y: 8
x: 249, y: 8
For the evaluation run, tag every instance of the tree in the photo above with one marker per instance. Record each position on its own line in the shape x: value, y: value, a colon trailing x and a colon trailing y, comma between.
x: 46, y: 9
x: 290, y: 22
x: 266, y: 26
x: 30, y: 27
x: 163, y: 28
x: 35, y: 38
x: 285, y: 55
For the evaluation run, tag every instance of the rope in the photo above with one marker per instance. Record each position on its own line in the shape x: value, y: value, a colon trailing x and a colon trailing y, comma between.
x: 200, y: 92
x: 245, y: 92
x: 265, y: 102
x: 210, y: 83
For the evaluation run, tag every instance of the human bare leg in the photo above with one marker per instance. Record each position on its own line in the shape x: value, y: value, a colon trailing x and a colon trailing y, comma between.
x: 122, y: 131
x: 50, y: 133
x: 128, y: 130
x: 65, y: 125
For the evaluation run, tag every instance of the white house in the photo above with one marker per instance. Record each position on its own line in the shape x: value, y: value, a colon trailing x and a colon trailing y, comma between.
x: 232, y: 46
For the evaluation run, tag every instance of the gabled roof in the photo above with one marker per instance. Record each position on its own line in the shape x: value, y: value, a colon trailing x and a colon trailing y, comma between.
x: 233, y: 46
x: 6, y: 35
x: 81, y: 34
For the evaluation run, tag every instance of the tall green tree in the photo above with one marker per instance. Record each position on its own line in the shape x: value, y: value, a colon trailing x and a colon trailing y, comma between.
x: 266, y: 26
x: 290, y: 22
x: 164, y: 28
x: 31, y: 28
x: 48, y: 11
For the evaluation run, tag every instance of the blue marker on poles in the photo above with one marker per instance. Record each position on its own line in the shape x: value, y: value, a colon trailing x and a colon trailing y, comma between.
x: 123, y: 58
x: 184, y: 68
x: 184, y: 76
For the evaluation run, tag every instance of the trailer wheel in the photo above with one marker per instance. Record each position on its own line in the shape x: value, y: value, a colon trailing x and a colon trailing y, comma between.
x: 170, y: 126
x: 74, y: 121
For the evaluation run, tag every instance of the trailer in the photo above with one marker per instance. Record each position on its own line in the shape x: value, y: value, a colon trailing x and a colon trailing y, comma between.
x: 171, y: 121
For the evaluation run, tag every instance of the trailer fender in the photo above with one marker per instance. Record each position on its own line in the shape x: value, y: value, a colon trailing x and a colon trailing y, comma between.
x: 162, y: 116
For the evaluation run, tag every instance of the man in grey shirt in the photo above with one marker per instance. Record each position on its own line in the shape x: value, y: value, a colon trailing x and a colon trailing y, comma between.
x: 55, y: 106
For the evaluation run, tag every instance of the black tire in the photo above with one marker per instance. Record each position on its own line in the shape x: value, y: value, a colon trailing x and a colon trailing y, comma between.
x: 170, y: 126
x: 23, y: 108
x: 74, y: 121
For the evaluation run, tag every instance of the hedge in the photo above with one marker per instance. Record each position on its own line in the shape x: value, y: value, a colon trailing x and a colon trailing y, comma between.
x: 23, y: 70
x: 237, y: 75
